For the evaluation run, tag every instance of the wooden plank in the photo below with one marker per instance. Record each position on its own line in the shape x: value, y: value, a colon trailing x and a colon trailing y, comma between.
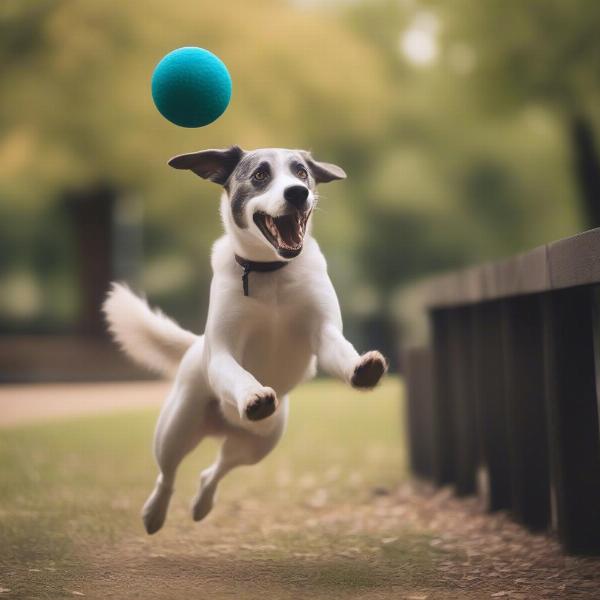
x: 464, y: 286
x: 443, y: 401
x: 418, y: 376
x: 575, y: 261
x: 523, y: 274
x: 570, y: 371
x: 570, y: 262
x: 527, y: 273
x: 526, y: 412
x: 488, y: 357
x: 463, y: 394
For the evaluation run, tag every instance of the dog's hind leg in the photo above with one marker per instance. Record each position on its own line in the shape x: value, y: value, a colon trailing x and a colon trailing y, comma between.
x: 181, y: 426
x: 240, y: 447
x: 179, y: 431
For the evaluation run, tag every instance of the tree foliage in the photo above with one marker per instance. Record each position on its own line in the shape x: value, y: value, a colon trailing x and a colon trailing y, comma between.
x: 464, y: 157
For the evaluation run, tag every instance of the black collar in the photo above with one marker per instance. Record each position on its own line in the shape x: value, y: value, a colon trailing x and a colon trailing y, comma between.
x: 254, y: 265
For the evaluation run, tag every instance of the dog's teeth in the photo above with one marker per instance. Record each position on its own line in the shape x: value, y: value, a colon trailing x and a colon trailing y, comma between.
x: 271, y: 226
x: 287, y: 231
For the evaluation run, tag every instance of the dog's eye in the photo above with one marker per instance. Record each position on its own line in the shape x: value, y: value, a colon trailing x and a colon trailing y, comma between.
x: 260, y: 175
x: 302, y: 173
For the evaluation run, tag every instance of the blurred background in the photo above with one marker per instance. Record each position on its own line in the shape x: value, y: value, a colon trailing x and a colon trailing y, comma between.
x: 468, y: 130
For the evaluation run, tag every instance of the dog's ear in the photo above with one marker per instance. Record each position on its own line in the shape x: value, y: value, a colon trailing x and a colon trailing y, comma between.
x: 214, y: 165
x: 323, y: 172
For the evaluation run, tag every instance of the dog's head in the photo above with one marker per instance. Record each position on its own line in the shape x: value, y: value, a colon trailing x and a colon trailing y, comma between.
x: 270, y: 192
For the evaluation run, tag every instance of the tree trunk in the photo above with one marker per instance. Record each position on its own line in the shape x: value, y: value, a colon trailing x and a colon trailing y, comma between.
x: 91, y: 211
x: 586, y: 164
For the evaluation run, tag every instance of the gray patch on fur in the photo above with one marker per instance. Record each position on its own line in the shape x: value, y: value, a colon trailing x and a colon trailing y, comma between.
x: 243, y: 192
x: 241, y: 187
x: 298, y: 161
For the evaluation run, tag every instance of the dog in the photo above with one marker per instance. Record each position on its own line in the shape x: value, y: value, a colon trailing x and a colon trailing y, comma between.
x: 273, y: 315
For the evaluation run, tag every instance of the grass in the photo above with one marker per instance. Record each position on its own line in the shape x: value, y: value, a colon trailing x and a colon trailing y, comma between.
x: 303, y: 521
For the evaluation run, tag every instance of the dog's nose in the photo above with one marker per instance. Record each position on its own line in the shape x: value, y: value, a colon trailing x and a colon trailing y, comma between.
x: 296, y: 195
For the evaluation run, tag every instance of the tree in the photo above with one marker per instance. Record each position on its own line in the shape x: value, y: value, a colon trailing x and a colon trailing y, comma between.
x: 76, y: 113
x: 544, y: 52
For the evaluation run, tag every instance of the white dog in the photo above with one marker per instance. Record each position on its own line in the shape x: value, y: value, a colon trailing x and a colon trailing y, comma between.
x: 273, y: 315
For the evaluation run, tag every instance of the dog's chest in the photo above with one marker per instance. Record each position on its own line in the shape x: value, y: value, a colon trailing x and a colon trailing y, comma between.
x: 274, y: 344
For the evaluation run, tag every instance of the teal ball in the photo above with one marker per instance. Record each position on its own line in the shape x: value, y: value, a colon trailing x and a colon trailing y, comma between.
x: 191, y: 87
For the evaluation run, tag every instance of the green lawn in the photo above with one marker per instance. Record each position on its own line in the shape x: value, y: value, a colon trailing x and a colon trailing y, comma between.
x: 307, y: 520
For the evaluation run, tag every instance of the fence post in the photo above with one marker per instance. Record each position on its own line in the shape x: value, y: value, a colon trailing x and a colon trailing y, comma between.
x: 488, y: 356
x: 570, y: 371
x: 526, y: 411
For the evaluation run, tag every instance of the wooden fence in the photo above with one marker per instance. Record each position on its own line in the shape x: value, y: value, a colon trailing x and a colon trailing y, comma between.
x: 503, y: 402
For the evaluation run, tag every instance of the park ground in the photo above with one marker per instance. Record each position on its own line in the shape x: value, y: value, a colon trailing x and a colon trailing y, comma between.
x: 331, y: 514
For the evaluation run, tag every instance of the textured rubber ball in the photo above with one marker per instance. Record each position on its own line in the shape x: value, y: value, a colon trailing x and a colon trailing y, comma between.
x: 191, y: 87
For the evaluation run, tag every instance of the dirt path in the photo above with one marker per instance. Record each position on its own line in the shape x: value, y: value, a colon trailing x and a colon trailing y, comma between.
x: 43, y: 402
x: 413, y: 543
x: 329, y: 516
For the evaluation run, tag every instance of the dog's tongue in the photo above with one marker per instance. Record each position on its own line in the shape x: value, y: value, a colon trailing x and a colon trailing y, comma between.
x: 289, y: 230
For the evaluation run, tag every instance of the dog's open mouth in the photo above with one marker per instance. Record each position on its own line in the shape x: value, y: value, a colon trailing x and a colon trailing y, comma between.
x: 285, y: 233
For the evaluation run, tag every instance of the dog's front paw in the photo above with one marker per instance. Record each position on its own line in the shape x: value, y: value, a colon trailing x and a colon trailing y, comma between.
x: 367, y: 373
x: 261, y: 404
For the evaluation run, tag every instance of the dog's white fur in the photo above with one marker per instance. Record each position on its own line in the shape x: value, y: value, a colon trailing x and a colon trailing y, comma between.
x: 254, y: 349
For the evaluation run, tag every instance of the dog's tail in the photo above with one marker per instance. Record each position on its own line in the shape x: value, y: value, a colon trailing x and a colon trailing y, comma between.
x: 150, y: 338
